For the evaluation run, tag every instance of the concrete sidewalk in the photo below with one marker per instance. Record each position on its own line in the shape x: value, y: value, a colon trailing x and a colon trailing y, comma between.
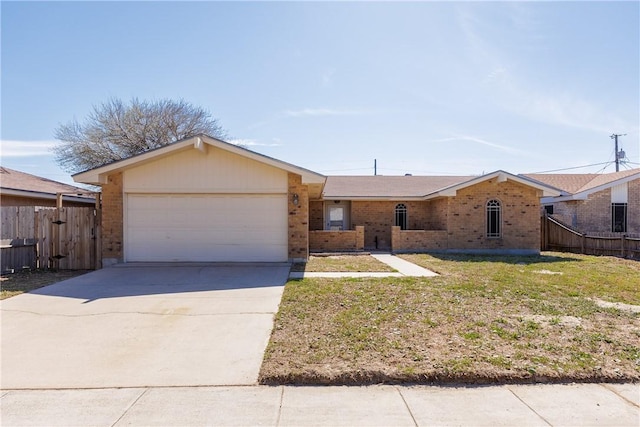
x: 403, y: 269
x: 543, y: 405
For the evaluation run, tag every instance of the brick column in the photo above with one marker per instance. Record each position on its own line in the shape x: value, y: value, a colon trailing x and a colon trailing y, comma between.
x: 359, y: 237
x: 112, y: 217
x: 298, y: 219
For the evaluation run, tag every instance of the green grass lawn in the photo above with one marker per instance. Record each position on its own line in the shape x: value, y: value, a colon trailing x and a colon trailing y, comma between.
x: 485, y: 319
x: 25, y: 281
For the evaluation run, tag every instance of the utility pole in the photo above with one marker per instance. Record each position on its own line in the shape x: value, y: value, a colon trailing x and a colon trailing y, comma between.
x: 615, y: 138
x: 375, y: 167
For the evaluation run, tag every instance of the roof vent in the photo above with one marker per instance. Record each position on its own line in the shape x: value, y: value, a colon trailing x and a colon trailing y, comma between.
x: 408, y: 174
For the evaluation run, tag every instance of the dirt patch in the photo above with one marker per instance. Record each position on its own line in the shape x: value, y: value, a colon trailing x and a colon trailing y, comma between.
x: 569, y: 321
x: 618, y: 306
x: 546, y: 272
x: 25, y: 281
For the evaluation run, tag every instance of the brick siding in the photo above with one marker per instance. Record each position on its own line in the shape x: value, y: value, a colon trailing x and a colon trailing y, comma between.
x: 298, y: 232
x: 520, y: 217
x: 316, y: 215
x: 337, y: 241
x: 378, y: 218
x: 418, y: 240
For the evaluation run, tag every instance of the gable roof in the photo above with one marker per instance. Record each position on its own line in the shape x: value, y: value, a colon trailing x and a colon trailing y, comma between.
x: 413, y: 187
x: 580, y: 186
x: 99, y: 175
x: 16, y: 183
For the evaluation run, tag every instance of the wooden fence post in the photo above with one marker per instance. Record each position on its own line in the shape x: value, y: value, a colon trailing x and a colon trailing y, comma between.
x: 583, y: 243
x: 97, y: 224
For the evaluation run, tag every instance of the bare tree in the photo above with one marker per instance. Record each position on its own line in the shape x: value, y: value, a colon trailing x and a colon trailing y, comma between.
x: 115, y: 131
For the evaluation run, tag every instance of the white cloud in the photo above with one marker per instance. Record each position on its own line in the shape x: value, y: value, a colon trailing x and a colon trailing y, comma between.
x: 327, y: 77
x: 317, y: 112
x: 254, y: 143
x: 481, y: 141
x: 15, y: 148
x: 516, y: 90
x: 566, y: 110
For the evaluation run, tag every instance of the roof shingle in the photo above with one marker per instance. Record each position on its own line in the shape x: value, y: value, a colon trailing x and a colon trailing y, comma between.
x: 16, y: 180
x: 387, y: 186
x: 576, y: 183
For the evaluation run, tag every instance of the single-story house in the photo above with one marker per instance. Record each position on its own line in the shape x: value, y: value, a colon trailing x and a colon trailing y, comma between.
x: 23, y: 189
x: 202, y: 199
x: 595, y: 203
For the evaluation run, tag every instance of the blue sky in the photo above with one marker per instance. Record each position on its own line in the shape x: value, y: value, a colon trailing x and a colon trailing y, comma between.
x: 431, y: 88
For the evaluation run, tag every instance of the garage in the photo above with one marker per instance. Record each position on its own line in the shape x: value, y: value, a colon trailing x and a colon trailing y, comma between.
x: 203, y: 200
x: 206, y: 228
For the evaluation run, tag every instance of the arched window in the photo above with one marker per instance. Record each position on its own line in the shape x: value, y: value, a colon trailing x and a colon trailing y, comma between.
x: 494, y: 218
x: 401, y: 216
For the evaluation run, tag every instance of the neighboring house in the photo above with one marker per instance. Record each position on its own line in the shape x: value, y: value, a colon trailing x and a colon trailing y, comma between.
x: 202, y: 199
x: 595, y: 203
x: 23, y: 189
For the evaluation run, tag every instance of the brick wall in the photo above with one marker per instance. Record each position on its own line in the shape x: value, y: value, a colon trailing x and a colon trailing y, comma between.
x: 316, y: 215
x: 520, y: 217
x: 566, y: 212
x: 418, y: 240
x: 112, y: 217
x: 594, y: 214
x: 337, y: 241
x: 436, y: 213
x: 298, y: 218
x: 378, y: 218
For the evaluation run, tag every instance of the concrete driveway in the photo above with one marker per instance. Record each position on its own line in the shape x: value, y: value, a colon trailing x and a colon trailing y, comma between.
x: 170, y: 325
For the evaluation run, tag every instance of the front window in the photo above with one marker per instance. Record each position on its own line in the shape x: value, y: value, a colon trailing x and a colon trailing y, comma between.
x: 619, y: 217
x: 494, y: 218
x: 401, y: 216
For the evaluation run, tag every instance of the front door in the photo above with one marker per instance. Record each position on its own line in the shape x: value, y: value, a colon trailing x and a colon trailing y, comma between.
x: 336, y: 217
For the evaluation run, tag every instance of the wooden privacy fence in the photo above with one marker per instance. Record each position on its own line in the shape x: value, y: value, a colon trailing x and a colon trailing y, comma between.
x: 59, y: 238
x: 558, y: 237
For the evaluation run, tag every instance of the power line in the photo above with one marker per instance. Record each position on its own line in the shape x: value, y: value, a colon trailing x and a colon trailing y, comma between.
x: 575, y: 167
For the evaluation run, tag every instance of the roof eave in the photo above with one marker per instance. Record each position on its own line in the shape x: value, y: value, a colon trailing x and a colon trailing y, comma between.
x: 44, y: 195
x: 609, y: 184
x: 501, y: 176
x: 374, y: 198
x: 584, y: 195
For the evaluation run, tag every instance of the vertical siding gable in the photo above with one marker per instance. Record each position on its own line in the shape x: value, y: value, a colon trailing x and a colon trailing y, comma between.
x: 620, y: 193
x: 216, y: 171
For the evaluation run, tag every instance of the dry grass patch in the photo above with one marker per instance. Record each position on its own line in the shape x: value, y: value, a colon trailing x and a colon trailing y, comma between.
x: 484, y: 320
x: 25, y: 281
x: 342, y: 263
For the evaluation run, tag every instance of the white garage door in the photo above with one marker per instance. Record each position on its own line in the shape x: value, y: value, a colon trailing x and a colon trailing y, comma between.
x: 206, y: 228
